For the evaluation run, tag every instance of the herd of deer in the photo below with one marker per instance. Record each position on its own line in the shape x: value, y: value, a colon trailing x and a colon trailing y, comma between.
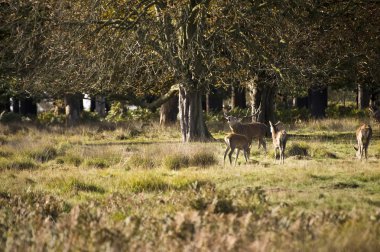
x: 243, y: 134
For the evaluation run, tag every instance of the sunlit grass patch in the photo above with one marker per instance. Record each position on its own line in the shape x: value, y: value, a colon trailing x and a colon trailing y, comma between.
x: 97, y: 163
x: 140, y: 161
x: 176, y: 161
x: 44, y: 154
x: 17, y: 163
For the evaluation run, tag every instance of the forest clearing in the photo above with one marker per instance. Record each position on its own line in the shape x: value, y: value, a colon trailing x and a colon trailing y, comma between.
x: 68, y: 189
x: 121, y: 123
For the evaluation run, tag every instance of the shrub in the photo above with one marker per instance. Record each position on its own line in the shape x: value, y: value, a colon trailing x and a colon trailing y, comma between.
x: 203, y: 159
x: 298, y: 149
x: 76, y: 185
x: 176, y: 161
x: 97, y: 163
x: 44, y: 155
x: 139, y: 161
x: 17, y: 164
x: 49, y: 117
x: 322, y: 152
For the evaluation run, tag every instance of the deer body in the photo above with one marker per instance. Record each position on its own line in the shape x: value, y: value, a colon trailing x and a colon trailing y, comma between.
x: 250, y: 130
x: 363, y: 136
x: 279, y: 138
x: 239, y: 142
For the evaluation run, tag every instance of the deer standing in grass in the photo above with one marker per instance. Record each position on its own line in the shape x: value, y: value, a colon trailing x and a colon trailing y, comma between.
x: 239, y: 142
x: 279, y: 138
x: 363, y: 136
x: 250, y: 130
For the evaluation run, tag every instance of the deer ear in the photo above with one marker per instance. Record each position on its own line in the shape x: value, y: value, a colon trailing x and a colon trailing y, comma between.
x: 270, y: 123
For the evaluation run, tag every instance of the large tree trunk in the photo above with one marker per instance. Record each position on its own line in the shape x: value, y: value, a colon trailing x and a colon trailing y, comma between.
x: 262, y: 96
x: 100, y: 105
x: 28, y: 107
x: 193, y: 126
x: 169, y: 111
x: 318, y: 102
x: 73, y: 108
x: 363, y: 96
x: 238, y: 96
x: 301, y: 102
x: 5, y: 105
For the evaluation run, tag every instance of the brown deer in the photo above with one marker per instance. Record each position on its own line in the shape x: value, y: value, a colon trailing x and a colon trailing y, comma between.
x: 239, y: 142
x: 363, y: 136
x: 279, y: 138
x: 250, y: 130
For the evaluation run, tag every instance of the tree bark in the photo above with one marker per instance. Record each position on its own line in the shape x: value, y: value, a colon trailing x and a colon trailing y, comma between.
x: 100, y: 106
x: 318, y: 102
x: 169, y: 111
x: 193, y: 126
x: 262, y: 96
x: 363, y: 97
x: 73, y: 108
x: 28, y: 106
x: 238, y: 96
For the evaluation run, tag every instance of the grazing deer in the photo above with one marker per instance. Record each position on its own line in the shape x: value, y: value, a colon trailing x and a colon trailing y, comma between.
x: 250, y: 130
x: 279, y: 137
x: 363, y: 136
x: 239, y: 142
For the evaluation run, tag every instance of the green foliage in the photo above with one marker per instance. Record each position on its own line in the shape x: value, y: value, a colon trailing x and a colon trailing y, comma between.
x: 339, y: 111
x: 88, y: 116
x: 49, y: 117
x: 292, y: 115
x: 118, y: 113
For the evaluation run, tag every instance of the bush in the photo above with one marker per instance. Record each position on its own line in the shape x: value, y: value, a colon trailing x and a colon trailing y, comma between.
x: 298, y: 149
x: 176, y: 162
x: 203, y: 159
x: 139, y: 161
x: 97, y: 163
x: 49, y: 117
x: 44, y: 155
x: 17, y: 164
x: 76, y: 185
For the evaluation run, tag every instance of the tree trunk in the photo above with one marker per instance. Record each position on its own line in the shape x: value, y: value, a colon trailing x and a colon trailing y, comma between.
x: 15, y: 105
x: 193, y: 126
x: 73, y: 108
x: 28, y: 107
x: 318, y: 102
x: 301, y: 102
x: 100, y: 106
x: 5, y: 105
x: 262, y: 96
x: 238, y: 96
x: 169, y: 111
x: 363, y: 96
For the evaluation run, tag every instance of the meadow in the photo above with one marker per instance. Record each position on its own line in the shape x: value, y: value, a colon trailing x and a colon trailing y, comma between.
x: 132, y: 188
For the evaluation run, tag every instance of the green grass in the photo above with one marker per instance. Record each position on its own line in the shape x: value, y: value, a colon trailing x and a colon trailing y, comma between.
x: 148, y: 191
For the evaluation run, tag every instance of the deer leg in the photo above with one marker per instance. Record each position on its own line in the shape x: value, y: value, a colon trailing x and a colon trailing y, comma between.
x: 275, y: 153
x: 263, y: 143
x: 237, y: 155
x: 225, y: 154
x: 245, y: 155
x: 230, y: 155
x: 366, y: 152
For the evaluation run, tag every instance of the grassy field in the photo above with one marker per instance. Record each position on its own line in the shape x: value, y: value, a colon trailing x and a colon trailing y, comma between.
x: 96, y: 188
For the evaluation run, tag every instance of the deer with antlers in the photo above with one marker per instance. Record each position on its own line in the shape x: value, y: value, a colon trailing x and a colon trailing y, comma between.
x: 363, y: 136
x: 279, y: 137
x: 250, y: 130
